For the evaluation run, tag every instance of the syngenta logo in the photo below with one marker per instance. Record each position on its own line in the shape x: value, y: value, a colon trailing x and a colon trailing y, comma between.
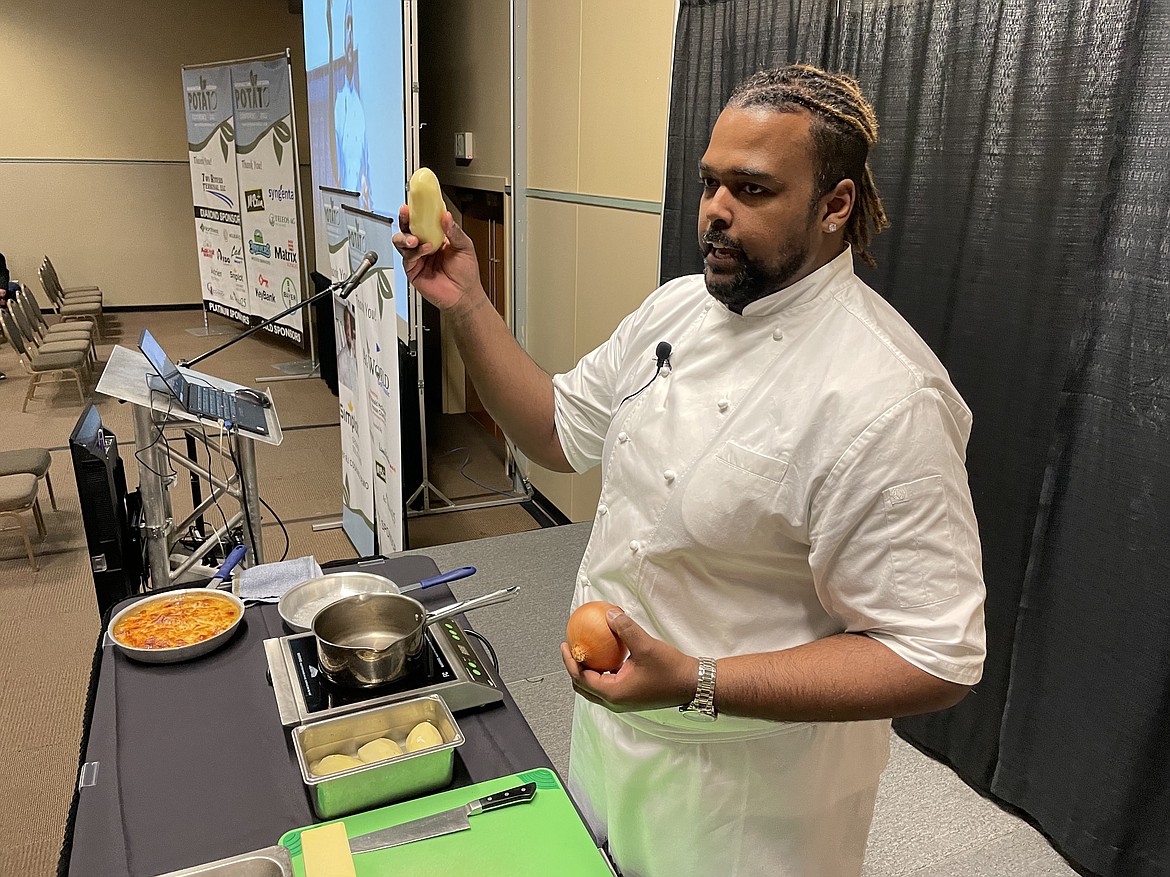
x: 253, y: 95
x: 257, y: 247
x: 202, y: 97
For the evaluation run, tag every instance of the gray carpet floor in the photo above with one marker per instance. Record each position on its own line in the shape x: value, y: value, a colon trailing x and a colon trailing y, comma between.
x: 927, y: 824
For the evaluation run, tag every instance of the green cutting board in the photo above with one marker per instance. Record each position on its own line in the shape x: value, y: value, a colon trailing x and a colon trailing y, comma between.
x: 537, y: 839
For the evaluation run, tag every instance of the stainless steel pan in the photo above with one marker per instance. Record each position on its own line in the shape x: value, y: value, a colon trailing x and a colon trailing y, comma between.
x: 301, y: 602
x: 365, y: 640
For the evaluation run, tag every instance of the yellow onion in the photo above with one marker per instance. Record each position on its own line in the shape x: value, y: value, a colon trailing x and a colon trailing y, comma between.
x: 591, y: 641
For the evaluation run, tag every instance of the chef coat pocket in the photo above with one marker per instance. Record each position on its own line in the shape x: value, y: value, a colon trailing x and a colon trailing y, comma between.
x: 731, y: 496
x: 921, y: 542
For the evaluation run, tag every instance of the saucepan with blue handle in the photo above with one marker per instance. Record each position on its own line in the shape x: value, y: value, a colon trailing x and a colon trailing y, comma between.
x: 302, y: 602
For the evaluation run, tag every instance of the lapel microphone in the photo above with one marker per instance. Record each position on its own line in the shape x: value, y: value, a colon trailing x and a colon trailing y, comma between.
x: 662, y: 354
x: 662, y: 351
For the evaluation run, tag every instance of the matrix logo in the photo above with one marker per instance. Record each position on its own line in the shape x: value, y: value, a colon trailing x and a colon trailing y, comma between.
x: 288, y: 292
x: 287, y: 254
x: 257, y: 247
x: 253, y: 94
x: 254, y: 199
x: 202, y: 97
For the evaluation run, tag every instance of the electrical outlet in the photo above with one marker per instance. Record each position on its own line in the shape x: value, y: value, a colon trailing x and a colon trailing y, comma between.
x: 464, y: 149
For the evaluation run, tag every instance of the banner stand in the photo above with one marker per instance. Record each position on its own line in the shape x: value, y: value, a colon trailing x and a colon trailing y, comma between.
x: 207, y: 331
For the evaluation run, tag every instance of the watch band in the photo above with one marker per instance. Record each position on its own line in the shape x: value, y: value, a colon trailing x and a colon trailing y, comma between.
x: 702, y: 708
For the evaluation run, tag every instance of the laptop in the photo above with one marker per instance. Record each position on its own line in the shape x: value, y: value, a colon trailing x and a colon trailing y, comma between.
x: 201, y: 399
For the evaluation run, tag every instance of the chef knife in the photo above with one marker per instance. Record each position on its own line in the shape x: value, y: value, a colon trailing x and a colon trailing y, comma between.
x: 447, y: 822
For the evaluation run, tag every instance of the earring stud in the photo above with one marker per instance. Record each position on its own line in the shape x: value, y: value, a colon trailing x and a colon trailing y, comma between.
x: 832, y: 227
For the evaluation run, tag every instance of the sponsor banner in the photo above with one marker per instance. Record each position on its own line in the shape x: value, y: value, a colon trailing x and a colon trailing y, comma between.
x: 376, y: 344
x: 207, y: 100
x: 266, y: 167
x: 335, y: 231
x: 357, y: 464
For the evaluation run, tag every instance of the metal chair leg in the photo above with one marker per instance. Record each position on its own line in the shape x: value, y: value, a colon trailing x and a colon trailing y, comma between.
x: 24, y: 534
x: 49, y: 483
x: 39, y: 518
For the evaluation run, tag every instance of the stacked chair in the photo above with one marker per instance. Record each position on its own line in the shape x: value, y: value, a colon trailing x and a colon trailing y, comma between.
x: 56, y: 338
x: 76, y: 304
x: 66, y: 359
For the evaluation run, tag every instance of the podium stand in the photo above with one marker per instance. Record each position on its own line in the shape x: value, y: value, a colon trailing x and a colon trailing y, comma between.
x: 125, y: 377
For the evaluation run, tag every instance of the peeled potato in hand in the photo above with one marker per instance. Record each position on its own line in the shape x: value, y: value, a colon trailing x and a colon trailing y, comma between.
x: 423, y: 736
x: 425, y: 200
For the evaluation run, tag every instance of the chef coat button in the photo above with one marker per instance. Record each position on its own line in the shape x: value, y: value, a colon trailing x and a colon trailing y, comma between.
x: 634, y: 545
x: 582, y: 580
x: 723, y: 404
x: 663, y: 372
x: 669, y: 475
x: 623, y: 437
x: 602, y: 509
x: 777, y: 334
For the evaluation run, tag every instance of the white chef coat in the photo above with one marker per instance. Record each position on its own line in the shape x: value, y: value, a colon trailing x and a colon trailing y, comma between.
x: 797, y: 472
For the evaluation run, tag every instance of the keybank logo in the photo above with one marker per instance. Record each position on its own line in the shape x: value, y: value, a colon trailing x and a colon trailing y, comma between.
x: 257, y: 247
x: 202, y: 97
x: 254, y: 199
x: 253, y: 94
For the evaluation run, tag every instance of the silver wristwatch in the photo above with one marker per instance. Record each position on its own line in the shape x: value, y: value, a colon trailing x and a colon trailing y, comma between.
x: 702, y: 708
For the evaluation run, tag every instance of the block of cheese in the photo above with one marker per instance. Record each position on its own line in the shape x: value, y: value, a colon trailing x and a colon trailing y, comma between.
x: 325, y: 851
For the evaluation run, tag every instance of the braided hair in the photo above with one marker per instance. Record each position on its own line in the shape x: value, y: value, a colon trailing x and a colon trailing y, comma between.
x: 844, y: 128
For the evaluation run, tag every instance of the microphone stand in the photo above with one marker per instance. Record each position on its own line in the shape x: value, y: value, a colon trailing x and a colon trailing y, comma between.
x: 329, y: 290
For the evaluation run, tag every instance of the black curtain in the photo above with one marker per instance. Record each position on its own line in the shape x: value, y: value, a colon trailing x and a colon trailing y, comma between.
x: 1023, y: 161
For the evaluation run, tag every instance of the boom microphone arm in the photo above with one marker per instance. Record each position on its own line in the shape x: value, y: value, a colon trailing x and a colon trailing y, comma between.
x: 370, y: 258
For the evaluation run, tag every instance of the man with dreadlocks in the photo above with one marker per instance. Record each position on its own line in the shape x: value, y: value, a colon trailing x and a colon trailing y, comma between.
x: 784, y: 516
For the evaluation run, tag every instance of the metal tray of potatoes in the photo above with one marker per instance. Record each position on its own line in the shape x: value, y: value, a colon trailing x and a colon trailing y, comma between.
x: 268, y: 862
x: 378, y: 782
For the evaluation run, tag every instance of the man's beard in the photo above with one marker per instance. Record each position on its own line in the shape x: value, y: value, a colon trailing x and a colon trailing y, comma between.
x: 752, y: 281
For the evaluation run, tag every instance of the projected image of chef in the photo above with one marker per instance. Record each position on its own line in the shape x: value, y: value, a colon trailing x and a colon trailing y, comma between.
x: 351, y: 157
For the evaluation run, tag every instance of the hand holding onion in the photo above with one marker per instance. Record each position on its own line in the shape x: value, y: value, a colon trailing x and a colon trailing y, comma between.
x: 591, y: 642
x: 654, y: 675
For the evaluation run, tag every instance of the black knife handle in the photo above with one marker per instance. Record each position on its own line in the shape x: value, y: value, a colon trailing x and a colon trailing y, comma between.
x: 517, y: 795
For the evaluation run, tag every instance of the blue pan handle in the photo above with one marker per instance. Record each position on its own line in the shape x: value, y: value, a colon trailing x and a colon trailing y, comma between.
x: 237, y: 554
x: 442, y: 579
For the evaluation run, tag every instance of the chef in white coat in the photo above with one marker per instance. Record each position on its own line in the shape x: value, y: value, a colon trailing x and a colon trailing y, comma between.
x: 784, y: 516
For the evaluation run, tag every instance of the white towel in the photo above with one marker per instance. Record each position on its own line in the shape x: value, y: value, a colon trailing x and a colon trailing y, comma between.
x: 268, y: 582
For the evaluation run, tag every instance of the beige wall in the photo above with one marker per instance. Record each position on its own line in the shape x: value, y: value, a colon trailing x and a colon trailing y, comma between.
x: 598, y: 96
x: 93, y: 158
x: 465, y: 64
